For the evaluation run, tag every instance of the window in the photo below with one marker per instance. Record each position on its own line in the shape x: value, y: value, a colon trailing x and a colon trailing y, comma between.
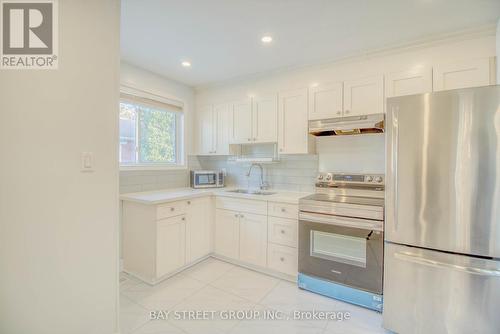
x: 150, y: 133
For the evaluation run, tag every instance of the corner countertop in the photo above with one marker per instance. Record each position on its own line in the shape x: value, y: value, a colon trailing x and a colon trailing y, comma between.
x: 177, y: 194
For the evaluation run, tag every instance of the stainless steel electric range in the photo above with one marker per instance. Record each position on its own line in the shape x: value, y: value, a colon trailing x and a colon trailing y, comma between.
x: 341, y: 238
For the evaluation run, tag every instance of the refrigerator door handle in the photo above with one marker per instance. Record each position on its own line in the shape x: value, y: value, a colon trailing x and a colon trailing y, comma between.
x: 407, y: 256
x: 394, y: 167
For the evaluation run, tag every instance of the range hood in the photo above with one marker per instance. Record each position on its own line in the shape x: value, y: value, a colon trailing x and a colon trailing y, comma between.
x: 352, y: 125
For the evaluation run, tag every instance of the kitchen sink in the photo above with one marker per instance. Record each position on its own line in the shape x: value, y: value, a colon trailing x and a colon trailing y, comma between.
x: 251, y: 192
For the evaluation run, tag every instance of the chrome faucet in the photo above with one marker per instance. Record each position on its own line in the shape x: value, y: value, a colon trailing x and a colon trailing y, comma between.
x: 263, y: 185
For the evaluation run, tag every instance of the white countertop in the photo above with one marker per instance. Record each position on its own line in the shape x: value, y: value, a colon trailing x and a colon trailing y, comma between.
x: 177, y: 194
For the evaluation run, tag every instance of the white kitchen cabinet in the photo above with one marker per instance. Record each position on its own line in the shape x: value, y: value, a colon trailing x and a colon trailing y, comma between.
x: 325, y: 101
x: 170, y: 244
x: 283, y: 259
x: 197, y: 228
x: 207, y: 129
x: 416, y: 81
x: 293, y: 136
x: 364, y: 96
x: 254, y: 120
x: 253, y: 239
x: 265, y: 118
x: 214, y: 129
x: 241, y: 115
x: 227, y: 233
x: 462, y: 74
x: 282, y: 231
x: 223, y: 127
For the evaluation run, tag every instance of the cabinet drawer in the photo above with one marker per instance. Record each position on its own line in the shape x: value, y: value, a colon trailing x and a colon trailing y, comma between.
x: 241, y: 205
x: 282, y: 259
x: 283, y: 210
x: 282, y: 231
x: 170, y: 209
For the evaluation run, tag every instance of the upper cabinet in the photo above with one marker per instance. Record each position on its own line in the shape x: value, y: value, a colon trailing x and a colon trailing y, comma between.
x: 416, y: 81
x: 241, y: 122
x: 214, y: 129
x: 254, y: 120
x: 265, y: 118
x: 293, y: 136
x: 462, y: 74
x: 325, y: 101
x: 364, y: 96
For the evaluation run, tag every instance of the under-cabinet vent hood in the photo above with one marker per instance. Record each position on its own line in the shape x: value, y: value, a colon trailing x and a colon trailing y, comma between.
x: 352, y: 125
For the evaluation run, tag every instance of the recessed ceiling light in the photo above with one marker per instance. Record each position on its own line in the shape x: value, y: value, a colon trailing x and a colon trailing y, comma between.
x: 266, y: 39
x: 186, y: 63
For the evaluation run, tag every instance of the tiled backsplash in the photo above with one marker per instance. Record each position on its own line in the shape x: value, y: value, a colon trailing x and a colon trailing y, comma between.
x: 292, y: 172
x: 134, y: 181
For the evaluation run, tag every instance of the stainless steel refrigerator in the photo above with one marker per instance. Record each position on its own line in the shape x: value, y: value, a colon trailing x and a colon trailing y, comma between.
x: 442, y: 224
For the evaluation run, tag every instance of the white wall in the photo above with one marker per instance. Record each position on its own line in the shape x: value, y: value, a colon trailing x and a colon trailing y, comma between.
x: 144, y: 180
x: 353, y: 153
x: 498, y: 52
x: 59, y: 226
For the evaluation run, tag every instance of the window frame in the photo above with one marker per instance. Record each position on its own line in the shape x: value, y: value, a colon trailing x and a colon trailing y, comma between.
x: 128, y: 94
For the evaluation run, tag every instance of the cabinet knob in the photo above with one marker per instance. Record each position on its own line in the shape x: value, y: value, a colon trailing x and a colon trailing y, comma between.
x: 189, y: 202
x: 283, y: 210
x: 282, y: 231
x: 254, y: 139
x: 183, y: 218
x: 236, y: 215
x: 249, y: 139
x: 241, y: 216
x: 172, y: 209
x: 282, y: 259
x: 281, y: 150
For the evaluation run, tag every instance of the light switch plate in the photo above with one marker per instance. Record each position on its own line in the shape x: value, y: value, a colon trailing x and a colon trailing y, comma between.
x: 87, y: 162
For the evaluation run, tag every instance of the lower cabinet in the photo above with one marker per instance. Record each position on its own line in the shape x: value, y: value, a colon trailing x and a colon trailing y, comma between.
x: 227, y: 233
x: 170, y: 244
x: 159, y: 240
x: 197, y: 228
x: 253, y: 239
x: 282, y: 258
x: 241, y: 236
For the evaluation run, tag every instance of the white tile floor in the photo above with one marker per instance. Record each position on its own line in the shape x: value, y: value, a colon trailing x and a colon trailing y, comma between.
x: 214, y: 285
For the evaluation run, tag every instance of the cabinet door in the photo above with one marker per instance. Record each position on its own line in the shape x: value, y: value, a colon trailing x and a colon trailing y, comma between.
x: 462, y: 74
x: 227, y: 233
x: 410, y: 82
x: 265, y: 119
x: 325, y: 101
x: 170, y: 245
x: 222, y: 129
x: 206, y: 125
x: 292, y: 122
x: 197, y: 229
x: 364, y: 96
x: 241, y: 115
x: 253, y: 239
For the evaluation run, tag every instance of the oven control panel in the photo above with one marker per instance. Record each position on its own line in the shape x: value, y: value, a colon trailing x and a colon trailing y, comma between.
x: 332, y: 179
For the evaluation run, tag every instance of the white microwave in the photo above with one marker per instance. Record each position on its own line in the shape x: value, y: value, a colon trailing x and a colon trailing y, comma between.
x: 206, y: 179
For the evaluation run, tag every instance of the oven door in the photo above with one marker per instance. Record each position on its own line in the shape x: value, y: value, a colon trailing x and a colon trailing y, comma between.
x: 344, y: 250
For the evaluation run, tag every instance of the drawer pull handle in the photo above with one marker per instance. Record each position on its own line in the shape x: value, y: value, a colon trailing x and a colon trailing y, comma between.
x: 283, y: 210
x: 282, y: 259
x: 172, y: 209
x: 183, y: 218
x: 189, y: 202
x: 282, y: 231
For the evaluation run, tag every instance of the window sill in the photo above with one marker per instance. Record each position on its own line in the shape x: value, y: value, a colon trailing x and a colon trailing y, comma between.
x: 155, y: 167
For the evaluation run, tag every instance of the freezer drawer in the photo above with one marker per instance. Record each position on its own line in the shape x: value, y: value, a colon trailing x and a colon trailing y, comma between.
x: 430, y: 292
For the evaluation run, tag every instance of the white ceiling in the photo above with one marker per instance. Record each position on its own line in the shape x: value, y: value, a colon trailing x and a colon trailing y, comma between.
x: 222, y: 37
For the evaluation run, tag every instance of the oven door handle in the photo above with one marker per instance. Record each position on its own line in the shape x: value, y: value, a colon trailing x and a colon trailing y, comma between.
x: 342, y: 221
